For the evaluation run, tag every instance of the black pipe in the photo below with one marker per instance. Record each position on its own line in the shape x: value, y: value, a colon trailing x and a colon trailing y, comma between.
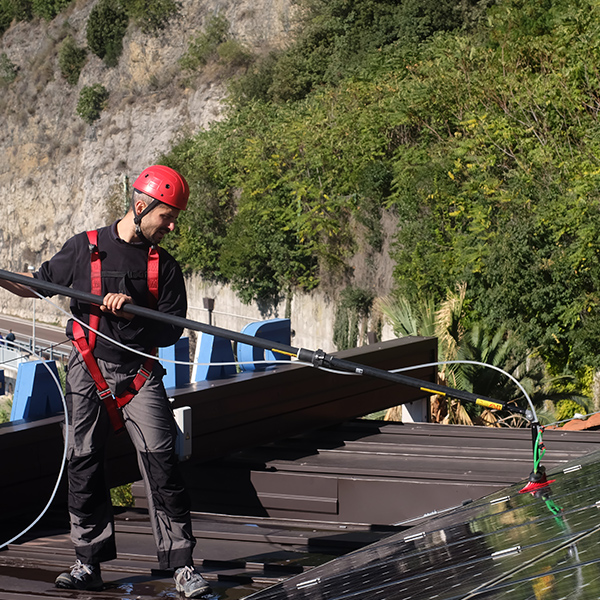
x: 149, y: 313
x: 318, y: 358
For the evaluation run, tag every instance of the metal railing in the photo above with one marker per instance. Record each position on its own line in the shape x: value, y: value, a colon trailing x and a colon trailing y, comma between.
x: 12, y: 353
x: 11, y: 356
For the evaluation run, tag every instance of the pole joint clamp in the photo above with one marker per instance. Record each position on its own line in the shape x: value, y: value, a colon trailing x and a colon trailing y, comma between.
x: 317, y: 357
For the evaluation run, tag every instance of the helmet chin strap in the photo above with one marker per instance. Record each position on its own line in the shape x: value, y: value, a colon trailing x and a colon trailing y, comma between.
x: 137, y: 219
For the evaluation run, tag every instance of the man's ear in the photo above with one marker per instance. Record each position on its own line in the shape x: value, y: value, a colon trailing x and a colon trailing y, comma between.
x: 139, y: 206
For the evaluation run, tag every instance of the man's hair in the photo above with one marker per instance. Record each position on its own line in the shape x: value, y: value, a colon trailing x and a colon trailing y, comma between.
x: 143, y: 197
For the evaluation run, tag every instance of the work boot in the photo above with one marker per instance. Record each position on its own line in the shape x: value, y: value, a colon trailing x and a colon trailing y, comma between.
x: 190, y: 583
x: 81, y: 577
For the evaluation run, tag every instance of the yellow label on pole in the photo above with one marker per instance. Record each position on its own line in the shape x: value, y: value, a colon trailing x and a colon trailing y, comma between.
x: 284, y: 352
x: 489, y: 404
x: 423, y: 389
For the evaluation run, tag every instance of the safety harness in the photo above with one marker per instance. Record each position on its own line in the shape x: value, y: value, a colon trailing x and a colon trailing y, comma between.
x: 86, y: 346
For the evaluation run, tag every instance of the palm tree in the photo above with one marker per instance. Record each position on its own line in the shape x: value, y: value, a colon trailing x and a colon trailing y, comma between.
x: 473, y: 348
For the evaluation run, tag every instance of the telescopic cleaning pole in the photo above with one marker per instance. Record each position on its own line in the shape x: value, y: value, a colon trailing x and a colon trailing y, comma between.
x: 317, y: 358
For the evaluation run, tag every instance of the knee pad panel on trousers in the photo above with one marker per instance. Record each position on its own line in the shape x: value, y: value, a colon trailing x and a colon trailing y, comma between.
x: 87, y: 483
x: 166, y: 485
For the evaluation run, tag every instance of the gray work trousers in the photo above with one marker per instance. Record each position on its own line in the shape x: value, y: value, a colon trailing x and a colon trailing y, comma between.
x: 149, y: 422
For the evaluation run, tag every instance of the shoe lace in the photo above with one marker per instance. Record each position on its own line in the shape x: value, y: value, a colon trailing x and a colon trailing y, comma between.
x: 79, y: 570
x: 185, y: 573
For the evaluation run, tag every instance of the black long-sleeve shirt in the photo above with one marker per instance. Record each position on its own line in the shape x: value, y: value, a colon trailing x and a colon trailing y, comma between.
x: 124, y: 270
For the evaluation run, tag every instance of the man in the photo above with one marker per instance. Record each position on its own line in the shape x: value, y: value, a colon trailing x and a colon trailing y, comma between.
x: 123, y: 264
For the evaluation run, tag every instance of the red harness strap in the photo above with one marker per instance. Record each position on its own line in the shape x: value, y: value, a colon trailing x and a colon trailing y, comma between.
x: 86, y: 346
x: 96, y: 276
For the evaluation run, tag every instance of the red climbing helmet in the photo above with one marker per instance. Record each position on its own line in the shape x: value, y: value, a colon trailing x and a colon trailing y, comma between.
x: 165, y: 185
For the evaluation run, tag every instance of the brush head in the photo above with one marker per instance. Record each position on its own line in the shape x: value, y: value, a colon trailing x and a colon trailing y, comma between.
x: 537, y: 480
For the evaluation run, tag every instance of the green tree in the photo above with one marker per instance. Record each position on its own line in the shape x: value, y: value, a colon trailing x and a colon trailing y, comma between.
x: 482, y: 139
x: 499, y: 188
x: 92, y: 101
x: 48, y: 9
x: 261, y: 256
x: 340, y: 39
x: 71, y: 59
x: 105, y: 30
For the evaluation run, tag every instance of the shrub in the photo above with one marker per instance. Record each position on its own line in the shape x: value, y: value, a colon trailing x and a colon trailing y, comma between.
x: 256, y: 83
x: 5, y: 409
x: 105, y: 30
x: 92, y: 100
x: 353, y: 311
x: 48, y: 9
x: 151, y: 15
x: 19, y: 10
x: 5, y: 17
x: 567, y: 409
x: 8, y: 70
x: 233, y: 54
x: 71, y: 59
x: 122, y: 496
x: 205, y: 45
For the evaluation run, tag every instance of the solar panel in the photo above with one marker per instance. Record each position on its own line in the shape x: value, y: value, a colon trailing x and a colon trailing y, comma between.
x: 542, y: 545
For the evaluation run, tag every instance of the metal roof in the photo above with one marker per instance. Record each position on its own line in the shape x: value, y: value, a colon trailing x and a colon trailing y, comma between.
x: 242, y: 554
x: 285, y: 483
x: 237, y: 555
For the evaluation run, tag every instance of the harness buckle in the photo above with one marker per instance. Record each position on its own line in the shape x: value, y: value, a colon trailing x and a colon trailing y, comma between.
x: 145, y: 373
x: 141, y: 377
x: 105, y: 393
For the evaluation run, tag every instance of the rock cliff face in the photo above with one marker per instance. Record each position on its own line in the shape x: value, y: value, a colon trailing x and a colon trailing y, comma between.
x: 58, y: 175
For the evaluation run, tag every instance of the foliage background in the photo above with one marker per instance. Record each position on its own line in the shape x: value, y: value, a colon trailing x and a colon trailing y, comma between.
x: 478, y: 128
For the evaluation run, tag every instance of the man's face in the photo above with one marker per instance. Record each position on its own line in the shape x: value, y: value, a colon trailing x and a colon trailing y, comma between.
x: 158, y: 222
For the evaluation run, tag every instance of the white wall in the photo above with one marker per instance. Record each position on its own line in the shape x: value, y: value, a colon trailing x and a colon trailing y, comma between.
x: 312, y: 314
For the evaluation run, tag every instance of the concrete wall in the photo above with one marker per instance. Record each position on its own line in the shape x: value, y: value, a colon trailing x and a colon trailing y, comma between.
x: 312, y: 315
